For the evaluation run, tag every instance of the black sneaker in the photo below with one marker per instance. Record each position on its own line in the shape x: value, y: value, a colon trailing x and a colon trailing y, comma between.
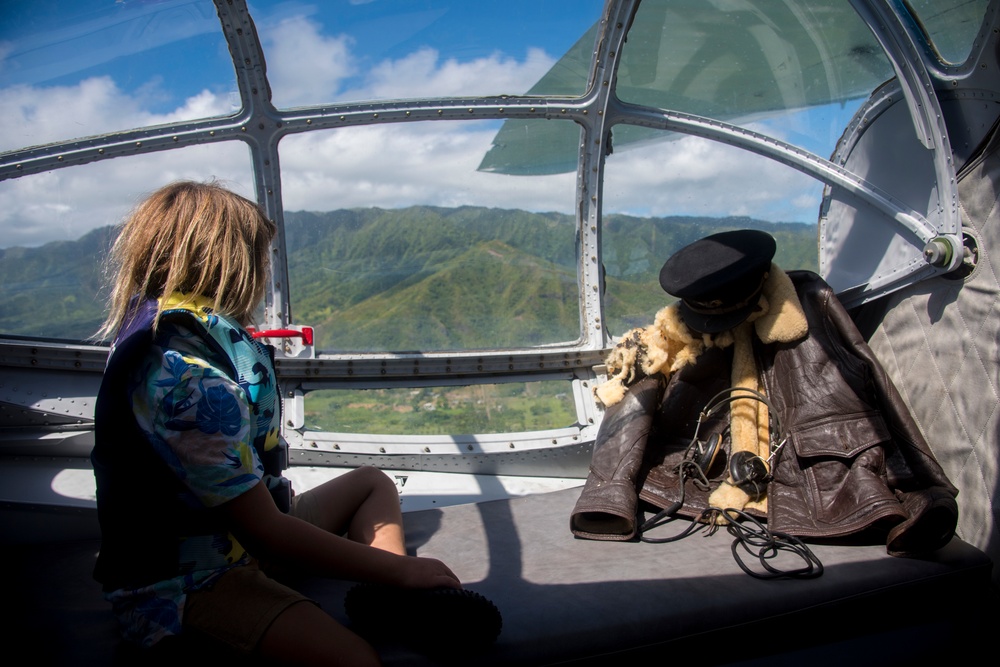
x: 439, y: 620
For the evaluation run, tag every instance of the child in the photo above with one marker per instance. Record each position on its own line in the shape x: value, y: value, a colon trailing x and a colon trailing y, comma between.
x: 187, y: 427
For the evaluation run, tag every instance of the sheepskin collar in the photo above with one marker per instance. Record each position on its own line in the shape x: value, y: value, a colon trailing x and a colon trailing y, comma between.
x: 668, y: 345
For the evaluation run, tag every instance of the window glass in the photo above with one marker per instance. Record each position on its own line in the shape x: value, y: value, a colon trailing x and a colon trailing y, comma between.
x: 480, y: 408
x: 398, y: 242
x: 424, y: 48
x: 743, y: 61
x: 74, y: 69
x: 661, y: 197
x: 59, y: 227
x: 951, y: 25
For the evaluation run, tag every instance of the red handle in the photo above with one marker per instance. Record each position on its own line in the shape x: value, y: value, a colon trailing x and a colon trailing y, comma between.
x: 306, y: 334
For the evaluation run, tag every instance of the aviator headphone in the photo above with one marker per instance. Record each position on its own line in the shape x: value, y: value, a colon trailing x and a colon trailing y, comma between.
x: 748, y: 471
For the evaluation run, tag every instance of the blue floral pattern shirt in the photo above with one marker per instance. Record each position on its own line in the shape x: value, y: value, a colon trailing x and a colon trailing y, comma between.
x: 199, y: 421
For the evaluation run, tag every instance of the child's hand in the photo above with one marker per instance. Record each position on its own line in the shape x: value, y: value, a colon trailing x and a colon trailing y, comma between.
x: 416, y: 572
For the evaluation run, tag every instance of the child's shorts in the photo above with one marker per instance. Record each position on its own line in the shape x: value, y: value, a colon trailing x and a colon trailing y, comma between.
x: 243, y: 603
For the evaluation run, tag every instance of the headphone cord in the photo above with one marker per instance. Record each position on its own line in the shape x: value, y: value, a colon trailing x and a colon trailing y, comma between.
x: 750, y: 535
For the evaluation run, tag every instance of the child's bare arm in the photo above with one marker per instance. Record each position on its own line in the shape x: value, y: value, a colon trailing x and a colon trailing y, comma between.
x: 268, y: 533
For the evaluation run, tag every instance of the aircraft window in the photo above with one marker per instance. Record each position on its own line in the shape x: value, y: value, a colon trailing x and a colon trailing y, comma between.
x: 480, y: 408
x: 740, y: 62
x: 397, y: 242
x: 73, y: 69
x: 342, y: 51
x: 58, y: 229
x: 660, y: 197
x: 951, y: 25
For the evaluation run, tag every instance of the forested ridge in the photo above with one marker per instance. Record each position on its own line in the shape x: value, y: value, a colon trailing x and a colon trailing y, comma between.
x: 415, y: 278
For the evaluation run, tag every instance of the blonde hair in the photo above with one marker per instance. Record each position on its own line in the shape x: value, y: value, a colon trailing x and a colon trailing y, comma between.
x: 193, y: 238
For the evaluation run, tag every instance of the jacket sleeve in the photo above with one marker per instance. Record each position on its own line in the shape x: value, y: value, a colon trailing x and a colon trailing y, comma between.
x: 608, y: 504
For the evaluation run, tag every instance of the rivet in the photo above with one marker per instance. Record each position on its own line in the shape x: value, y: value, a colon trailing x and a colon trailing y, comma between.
x: 381, y: 450
x: 469, y: 447
x: 243, y: 129
x: 211, y: 133
x: 470, y: 110
x: 427, y: 450
x: 18, y: 166
x: 175, y: 137
x: 374, y: 115
x: 253, y: 90
x: 500, y: 109
x: 585, y: 112
x: 100, y: 151
x: 562, y: 111
x: 407, y: 113
x: 343, y: 117
x: 511, y: 445
x: 60, y: 158
x: 440, y: 111
x: 309, y: 122
x: 336, y: 446
x: 532, y: 109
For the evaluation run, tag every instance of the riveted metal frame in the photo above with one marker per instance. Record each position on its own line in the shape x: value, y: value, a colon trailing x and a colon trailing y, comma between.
x: 261, y: 126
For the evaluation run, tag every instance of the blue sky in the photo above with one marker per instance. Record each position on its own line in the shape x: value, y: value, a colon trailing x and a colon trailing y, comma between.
x: 73, y: 69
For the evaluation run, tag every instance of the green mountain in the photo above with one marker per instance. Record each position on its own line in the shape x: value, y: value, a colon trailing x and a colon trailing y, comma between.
x: 419, y: 278
x: 55, y: 290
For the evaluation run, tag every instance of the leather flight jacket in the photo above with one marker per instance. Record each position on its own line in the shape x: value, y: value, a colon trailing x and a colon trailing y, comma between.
x: 854, y: 462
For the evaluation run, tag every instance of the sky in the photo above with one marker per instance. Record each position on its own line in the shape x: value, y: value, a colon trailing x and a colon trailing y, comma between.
x: 130, y: 63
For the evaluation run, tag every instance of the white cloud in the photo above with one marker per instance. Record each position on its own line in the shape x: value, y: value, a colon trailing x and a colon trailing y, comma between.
x: 692, y: 176
x: 399, y: 165
x: 303, y: 65
x: 66, y: 203
x: 423, y: 74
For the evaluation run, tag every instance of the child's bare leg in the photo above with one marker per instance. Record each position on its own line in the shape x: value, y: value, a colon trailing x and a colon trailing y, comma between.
x: 364, y: 504
x: 305, y: 635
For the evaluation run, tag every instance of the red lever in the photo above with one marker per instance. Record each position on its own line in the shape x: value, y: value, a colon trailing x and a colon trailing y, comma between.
x: 306, y: 334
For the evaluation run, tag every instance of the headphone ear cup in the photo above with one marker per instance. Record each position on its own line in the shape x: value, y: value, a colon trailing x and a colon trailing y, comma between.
x: 750, y: 473
x: 707, y: 452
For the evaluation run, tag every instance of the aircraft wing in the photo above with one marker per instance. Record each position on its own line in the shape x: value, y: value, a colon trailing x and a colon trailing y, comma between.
x: 731, y: 60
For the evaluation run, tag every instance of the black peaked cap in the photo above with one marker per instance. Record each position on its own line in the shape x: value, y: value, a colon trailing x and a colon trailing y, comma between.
x: 719, y: 278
